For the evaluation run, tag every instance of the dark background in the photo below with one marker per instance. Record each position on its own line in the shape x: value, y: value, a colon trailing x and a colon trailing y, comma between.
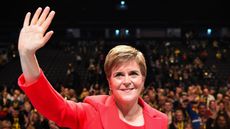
x: 105, y: 12
x: 96, y: 14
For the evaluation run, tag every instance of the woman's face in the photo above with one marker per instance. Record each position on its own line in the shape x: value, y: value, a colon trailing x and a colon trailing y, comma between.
x: 126, y: 82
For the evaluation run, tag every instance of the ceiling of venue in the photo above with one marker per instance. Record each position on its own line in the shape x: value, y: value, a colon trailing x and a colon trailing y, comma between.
x: 73, y: 12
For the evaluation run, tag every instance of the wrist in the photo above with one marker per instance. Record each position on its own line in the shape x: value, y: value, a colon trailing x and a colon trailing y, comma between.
x: 26, y: 52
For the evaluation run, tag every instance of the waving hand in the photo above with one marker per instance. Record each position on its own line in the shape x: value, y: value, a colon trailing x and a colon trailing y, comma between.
x: 33, y: 35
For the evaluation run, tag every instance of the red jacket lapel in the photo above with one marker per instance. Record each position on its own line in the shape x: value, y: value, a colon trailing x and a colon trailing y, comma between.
x: 109, y: 115
x: 110, y: 119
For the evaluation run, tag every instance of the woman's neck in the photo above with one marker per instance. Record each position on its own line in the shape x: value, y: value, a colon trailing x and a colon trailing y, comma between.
x: 131, y: 113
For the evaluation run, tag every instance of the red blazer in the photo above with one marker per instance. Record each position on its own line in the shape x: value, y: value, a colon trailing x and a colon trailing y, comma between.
x: 96, y: 112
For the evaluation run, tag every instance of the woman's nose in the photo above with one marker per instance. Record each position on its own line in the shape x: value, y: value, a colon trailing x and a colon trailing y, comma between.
x: 127, y: 81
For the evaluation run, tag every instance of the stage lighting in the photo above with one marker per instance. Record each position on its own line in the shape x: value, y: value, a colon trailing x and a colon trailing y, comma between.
x: 117, y: 32
x: 122, y: 5
x: 126, y: 32
x: 209, y: 31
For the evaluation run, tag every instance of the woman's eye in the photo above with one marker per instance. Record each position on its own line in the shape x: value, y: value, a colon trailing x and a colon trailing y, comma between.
x: 134, y: 74
x: 118, y: 75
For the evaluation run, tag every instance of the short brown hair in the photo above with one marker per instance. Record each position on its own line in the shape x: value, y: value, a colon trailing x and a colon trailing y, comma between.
x: 124, y: 53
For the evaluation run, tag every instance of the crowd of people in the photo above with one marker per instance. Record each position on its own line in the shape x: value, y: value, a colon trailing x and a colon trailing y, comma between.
x: 198, y: 107
x: 180, y: 84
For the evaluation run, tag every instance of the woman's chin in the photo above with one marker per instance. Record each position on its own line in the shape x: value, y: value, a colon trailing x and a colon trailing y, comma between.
x: 128, y: 98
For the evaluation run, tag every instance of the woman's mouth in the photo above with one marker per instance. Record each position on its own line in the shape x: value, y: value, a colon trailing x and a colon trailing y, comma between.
x: 127, y: 90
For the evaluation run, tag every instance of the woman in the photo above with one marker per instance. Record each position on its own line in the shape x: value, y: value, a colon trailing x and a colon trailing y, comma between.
x: 125, y: 70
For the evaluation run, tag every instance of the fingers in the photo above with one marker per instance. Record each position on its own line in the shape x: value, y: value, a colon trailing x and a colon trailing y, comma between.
x: 48, y: 20
x: 44, y: 20
x: 47, y: 37
x: 27, y: 19
x: 43, y: 16
x: 36, y: 16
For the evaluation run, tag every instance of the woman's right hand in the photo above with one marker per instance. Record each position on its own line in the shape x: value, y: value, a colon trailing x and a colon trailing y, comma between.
x: 33, y: 35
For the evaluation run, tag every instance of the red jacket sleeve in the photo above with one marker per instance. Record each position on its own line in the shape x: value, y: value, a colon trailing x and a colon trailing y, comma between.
x: 52, y: 105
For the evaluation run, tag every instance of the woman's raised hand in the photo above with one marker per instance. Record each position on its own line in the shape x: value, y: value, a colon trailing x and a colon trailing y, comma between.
x: 34, y: 33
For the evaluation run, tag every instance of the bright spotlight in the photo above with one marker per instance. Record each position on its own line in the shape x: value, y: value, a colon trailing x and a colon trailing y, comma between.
x: 209, y: 31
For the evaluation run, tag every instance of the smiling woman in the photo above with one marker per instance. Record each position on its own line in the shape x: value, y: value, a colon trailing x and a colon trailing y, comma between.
x: 125, y: 70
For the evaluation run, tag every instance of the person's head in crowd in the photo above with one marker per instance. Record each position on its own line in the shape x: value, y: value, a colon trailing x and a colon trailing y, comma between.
x: 219, y: 96
x: 103, y: 91
x: 194, y: 105
x: 171, y: 94
x: 226, y: 99
x: 228, y: 90
x: 72, y: 93
x: 17, y: 95
x: 227, y: 102
x: 152, y: 94
x: 184, y: 95
x: 15, y: 113
x: 212, y: 91
x: 97, y: 89
x: 212, y: 105
x: 125, y: 70
x: 168, y: 106
x: 65, y: 93
x: 146, y: 98
x: 202, y: 109
x: 178, y: 116
x: 179, y: 89
x: 160, y: 91
x: 17, y: 92
x: 188, y: 125
x: 4, y: 93
x: 184, y: 100
x: 27, y: 106
x: 221, y: 106
x: 35, y: 116
x: 161, y: 100
x: 198, y: 89
x: 84, y: 93
x: 222, y: 121
x: 5, y: 124
x: 205, y: 91
x: 191, y: 89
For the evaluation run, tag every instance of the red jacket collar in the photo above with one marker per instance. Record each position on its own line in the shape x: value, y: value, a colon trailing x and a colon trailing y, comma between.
x: 109, y: 113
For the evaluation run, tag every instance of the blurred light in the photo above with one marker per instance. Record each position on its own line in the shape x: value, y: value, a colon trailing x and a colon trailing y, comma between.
x: 117, y: 32
x: 171, y: 60
x: 167, y: 44
x: 209, y: 31
x: 122, y: 3
x: 170, y: 75
x: 126, y: 32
